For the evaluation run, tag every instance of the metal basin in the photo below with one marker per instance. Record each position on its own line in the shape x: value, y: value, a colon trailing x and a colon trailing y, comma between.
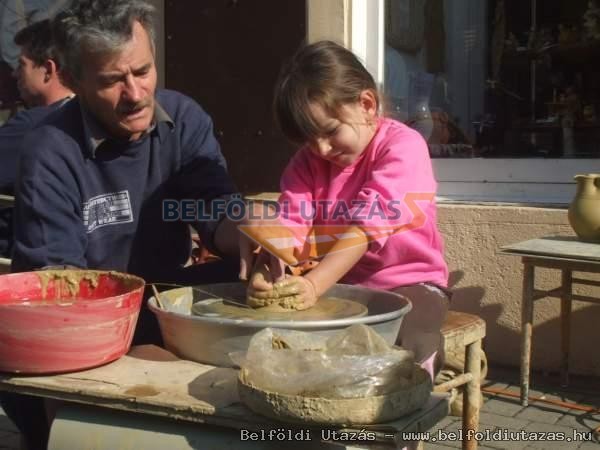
x: 209, y: 340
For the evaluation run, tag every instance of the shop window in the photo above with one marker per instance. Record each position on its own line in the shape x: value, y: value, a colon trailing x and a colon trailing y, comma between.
x: 504, y: 91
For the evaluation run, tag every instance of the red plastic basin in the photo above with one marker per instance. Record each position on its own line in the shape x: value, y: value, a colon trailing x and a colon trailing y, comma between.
x: 62, y: 321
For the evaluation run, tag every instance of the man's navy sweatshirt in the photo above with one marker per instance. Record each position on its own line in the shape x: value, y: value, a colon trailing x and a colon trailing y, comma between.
x: 12, y: 134
x: 102, y: 208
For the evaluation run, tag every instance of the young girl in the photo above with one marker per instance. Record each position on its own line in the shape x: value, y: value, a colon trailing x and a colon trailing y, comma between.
x: 368, y: 173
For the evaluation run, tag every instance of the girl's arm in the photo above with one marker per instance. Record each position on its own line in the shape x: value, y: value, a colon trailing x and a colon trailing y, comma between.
x: 308, y: 288
x: 337, y: 263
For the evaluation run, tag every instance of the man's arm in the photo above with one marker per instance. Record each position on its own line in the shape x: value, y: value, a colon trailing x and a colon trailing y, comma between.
x: 11, y: 138
x: 48, y: 226
x: 202, y: 175
x: 231, y: 241
x: 226, y: 238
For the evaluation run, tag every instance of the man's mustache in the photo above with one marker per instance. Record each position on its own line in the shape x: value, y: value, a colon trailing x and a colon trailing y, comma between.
x: 129, y: 108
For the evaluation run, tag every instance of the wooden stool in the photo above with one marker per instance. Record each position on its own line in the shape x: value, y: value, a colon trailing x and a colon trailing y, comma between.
x: 462, y: 330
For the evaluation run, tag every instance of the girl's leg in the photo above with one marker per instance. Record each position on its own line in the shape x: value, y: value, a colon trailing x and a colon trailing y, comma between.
x: 421, y: 327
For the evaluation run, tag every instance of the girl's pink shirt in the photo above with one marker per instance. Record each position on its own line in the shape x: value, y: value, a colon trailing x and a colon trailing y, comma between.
x: 371, y: 192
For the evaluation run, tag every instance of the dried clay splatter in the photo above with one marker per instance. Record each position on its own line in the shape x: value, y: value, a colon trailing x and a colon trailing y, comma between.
x: 67, y: 279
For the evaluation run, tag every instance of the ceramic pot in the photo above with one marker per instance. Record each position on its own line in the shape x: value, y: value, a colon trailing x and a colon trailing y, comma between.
x: 584, y: 211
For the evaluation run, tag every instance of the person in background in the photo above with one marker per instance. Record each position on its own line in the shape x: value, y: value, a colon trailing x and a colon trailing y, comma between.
x: 95, y: 176
x: 43, y: 91
x: 38, y: 71
x: 358, y: 170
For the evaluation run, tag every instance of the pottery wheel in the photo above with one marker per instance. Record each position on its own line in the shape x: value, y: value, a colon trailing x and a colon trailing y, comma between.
x: 327, y: 308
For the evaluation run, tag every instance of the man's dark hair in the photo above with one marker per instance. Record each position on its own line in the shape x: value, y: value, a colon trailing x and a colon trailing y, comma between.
x: 98, y: 27
x: 36, y: 42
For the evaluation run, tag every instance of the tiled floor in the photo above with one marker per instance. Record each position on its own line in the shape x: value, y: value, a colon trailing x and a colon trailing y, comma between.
x: 501, y: 416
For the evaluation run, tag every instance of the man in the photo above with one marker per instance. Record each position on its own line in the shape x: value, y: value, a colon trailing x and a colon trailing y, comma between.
x: 40, y: 86
x: 95, y: 174
x: 37, y: 74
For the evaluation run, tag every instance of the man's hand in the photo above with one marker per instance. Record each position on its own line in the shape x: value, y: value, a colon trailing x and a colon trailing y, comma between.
x: 230, y: 240
x: 267, y: 270
x: 248, y: 250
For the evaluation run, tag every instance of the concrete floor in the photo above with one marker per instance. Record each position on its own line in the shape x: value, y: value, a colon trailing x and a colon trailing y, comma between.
x: 500, y: 413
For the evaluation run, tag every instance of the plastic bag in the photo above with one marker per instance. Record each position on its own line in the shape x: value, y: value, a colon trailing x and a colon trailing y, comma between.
x: 354, y: 363
x: 177, y: 300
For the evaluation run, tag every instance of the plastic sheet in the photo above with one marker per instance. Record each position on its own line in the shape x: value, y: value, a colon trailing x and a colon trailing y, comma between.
x: 177, y: 300
x: 353, y: 363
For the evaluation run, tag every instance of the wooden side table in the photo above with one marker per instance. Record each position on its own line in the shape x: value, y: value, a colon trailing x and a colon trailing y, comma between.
x: 564, y: 253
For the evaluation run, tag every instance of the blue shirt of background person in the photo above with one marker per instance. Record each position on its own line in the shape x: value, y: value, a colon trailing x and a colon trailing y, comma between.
x: 42, y: 90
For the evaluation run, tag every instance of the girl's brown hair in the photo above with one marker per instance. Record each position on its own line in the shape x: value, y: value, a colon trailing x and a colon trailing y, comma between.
x: 323, y: 73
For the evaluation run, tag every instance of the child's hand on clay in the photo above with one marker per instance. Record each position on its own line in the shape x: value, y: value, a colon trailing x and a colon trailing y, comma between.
x: 300, y: 290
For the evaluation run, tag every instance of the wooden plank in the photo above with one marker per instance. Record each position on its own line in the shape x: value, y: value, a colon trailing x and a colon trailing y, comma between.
x: 149, y: 376
x: 263, y: 196
x: 151, y: 380
x: 7, y: 200
x: 5, y: 265
x: 557, y: 246
x: 553, y: 262
x: 586, y: 282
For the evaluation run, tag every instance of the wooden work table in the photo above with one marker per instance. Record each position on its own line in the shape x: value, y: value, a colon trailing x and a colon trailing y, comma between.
x: 567, y: 254
x: 152, y: 381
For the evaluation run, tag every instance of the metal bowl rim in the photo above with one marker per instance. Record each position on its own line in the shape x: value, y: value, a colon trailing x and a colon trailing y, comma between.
x: 309, y: 324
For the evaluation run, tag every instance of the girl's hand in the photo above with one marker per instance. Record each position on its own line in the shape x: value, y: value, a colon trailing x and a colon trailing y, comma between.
x: 300, y: 289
